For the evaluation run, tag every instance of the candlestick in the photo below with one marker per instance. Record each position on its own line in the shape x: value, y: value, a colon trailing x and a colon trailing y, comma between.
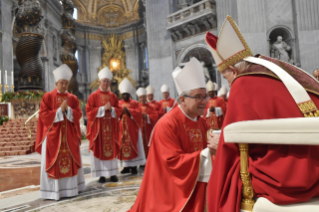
x: 12, y: 88
x: 6, y: 78
x: 6, y: 87
x: 12, y: 78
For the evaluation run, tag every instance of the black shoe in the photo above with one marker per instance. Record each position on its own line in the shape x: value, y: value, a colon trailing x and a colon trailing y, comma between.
x: 125, y: 170
x: 134, y: 170
x: 102, y: 180
x: 114, y: 178
x: 142, y: 166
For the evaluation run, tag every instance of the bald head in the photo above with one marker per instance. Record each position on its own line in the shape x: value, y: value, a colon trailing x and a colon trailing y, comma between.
x: 233, y: 71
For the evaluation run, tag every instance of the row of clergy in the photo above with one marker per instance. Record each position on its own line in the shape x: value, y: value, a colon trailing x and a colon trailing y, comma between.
x: 272, y: 105
x: 119, y: 131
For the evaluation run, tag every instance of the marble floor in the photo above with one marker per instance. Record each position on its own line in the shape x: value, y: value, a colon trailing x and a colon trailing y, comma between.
x: 106, y: 197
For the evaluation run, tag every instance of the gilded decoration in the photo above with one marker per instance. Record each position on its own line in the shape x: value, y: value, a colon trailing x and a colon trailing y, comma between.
x: 107, y: 13
x: 114, y: 57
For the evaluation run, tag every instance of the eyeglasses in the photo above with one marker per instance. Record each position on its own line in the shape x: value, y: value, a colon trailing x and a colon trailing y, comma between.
x: 198, y: 98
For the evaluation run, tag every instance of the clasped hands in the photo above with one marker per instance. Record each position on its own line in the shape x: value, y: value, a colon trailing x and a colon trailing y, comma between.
x: 108, y: 107
x: 64, y: 106
x: 212, y: 142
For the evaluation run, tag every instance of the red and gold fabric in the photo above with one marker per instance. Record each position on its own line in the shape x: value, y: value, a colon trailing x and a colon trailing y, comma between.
x: 147, y: 127
x: 63, y: 158
x: 213, y: 121
x: 103, y: 132
x: 167, y: 103
x: 129, y: 130
x: 173, y: 166
x: 157, y: 107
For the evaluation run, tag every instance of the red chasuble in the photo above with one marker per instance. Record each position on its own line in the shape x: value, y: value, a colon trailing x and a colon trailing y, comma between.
x: 172, y: 170
x: 284, y: 174
x: 158, y: 108
x: 167, y: 102
x: 103, y: 132
x: 63, y: 158
x: 145, y: 127
x: 129, y: 129
x: 213, y: 121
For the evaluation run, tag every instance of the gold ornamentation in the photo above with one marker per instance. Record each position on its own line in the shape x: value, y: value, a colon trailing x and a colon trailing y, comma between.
x: 240, y: 55
x: 308, y: 109
x: 247, y: 202
x: 113, y: 51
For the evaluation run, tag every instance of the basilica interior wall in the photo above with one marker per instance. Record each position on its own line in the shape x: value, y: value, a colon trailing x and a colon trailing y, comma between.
x: 159, y: 46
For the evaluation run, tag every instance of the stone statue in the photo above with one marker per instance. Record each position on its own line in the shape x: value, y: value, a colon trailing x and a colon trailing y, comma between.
x: 206, y: 72
x: 279, y: 50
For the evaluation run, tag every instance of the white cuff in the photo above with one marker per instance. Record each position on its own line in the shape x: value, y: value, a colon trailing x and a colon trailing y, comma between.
x: 208, y: 113
x: 58, y: 115
x: 148, y: 120
x: 218, y: 111
x: 101, y: 112
x: 206, y: 166
x: 113, y: 113
x: 69, y: 114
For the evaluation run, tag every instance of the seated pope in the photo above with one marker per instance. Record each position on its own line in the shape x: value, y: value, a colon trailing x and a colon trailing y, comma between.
x: 282, y: 168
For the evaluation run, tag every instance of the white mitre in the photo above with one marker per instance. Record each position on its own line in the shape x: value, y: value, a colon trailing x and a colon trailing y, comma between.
x: 190, y: 77
x: 222, y: 91
x: 150, y: 90
x: 164, y: 88
x: 141, y: 92
x: 126, y: 86
x: 105, y: 73
x: 216, y: 87
x: 63, y: 72
x: 210, y: 86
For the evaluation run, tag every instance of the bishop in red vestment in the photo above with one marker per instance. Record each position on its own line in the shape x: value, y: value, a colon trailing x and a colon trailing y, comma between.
x: 59, y: 139
x: 130, y: 137
x: 215, y: 108
x: 149, y: 118
x: 152, y: 102
x: 167, y: 102
x: 102, y: 111
x: 179, y: 163
x: 284, y: 174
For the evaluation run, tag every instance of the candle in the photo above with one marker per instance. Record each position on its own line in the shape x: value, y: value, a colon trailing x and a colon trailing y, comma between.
x: 6, y: 78
x: 11, y: 77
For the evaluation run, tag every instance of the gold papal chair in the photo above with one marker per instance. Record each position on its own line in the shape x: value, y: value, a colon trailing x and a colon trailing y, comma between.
x: 274, y: 131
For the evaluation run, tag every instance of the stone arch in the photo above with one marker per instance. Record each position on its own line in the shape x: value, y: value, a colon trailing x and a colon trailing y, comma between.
x: 80, y: 7
x: 287, y: 36
x: 202, y: 53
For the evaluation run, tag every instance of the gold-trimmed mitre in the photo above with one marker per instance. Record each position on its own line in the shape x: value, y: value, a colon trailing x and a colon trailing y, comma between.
x: 229, y: 47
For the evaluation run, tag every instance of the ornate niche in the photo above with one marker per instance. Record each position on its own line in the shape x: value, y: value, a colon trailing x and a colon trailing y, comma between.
x: 114, y: 57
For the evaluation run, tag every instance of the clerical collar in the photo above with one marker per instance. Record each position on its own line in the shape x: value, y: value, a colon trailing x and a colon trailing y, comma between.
x: 195, y: 119
x: 167, y: 98
x: 60, y: 92
x: 151, y: 101
x: 103, y: 90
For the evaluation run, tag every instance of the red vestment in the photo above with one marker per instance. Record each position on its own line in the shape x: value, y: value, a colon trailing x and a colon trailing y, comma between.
x: 284, y: 174
x: 167, y: 102
x: 158, y: 108
x: 129, y: 129
x: 145, y: 127
x: 63, y: 158
x: 103, y: 132
x: 172, y: 170
x: 213, y: 121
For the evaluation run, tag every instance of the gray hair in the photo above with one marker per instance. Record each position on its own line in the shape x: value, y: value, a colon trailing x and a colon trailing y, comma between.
x: 241, y: 65
x: 184, y: 93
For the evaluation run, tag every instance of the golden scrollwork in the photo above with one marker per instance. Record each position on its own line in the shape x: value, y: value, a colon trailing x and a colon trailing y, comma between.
x: 113, y: 51
x: 247, y: 189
